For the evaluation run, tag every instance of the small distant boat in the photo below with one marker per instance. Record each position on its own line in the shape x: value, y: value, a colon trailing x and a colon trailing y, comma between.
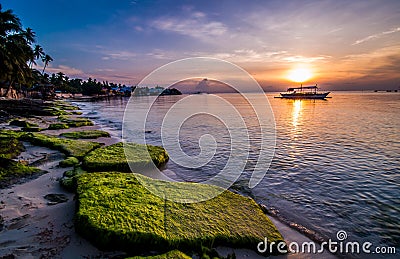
x: 304, y: 92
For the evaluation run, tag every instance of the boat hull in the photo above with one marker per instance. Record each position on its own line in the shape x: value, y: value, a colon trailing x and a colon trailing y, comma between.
x: 304, y: 95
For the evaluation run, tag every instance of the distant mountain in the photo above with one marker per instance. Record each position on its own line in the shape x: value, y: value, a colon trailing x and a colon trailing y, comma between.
x: 202, y: 86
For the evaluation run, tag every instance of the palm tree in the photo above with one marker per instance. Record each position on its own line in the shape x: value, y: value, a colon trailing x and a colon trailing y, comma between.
x: 46, y: 59
x: 37, y: 54
x: 60, y: 79
x: 15, y: 50
x: 29, y: 35
x: 9, y: 23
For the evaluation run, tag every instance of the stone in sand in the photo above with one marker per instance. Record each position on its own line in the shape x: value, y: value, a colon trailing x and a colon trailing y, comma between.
x: 55, y: 198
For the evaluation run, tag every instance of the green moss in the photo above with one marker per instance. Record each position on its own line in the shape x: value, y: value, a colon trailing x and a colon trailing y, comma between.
x: 69, y: 179
x: 66, y: 106
x: 10, y: 170
x: 75, y: 122
x: 74, y: 172
x: 174, y: 254
x: 61, y: 108
x: 68, y: 183
x: 86, y: 134
x: 10, y: 147
x: 112, y: 158
x: 76, y: 148
x: 116, y: 211
x: 204, y: 253
x: 207, y: 253
x: 55, y: 111
x: 26, y: 125
x: 12, y: 133
x: 22, y: 123
x: 69, y: 161
x: 56, y: 126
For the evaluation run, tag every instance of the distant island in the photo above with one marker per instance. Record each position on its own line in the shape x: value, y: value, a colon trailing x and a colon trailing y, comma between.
x: 158, y: 90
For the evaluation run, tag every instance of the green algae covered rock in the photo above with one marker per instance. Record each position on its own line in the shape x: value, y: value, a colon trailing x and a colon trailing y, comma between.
x: 22, y: 123
x: 115, y: 211
x: 11, y: 170
x: 75, y: 121
x: 174, y: 254
x: 12, y: 133
x: 69, y: 179
x: 76, y: 148
x: 10, y: 146
x: 31, y: 129
x: 112, y: 158
x: 85, y: 134
x: 69, y: 161
x: 57, y: 126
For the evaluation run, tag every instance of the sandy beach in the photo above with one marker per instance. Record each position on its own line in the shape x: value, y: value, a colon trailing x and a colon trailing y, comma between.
x: 33, y: 227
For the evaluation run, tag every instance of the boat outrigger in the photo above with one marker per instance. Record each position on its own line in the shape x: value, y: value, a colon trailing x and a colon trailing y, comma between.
x: 304, y: 92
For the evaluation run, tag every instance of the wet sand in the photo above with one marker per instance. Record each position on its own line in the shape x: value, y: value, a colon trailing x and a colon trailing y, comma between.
x: 33, y: 228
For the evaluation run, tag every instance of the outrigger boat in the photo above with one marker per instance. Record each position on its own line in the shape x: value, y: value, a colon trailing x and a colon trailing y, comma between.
x: 304, y: 92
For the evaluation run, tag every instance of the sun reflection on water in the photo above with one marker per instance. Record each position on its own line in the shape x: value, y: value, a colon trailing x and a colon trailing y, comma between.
x: 296, y: 114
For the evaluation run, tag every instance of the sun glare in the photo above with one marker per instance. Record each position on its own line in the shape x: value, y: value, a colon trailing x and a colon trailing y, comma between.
x: 299, y: 75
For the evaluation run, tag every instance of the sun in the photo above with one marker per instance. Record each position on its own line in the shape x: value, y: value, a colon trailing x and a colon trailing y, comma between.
x: 299, y: 75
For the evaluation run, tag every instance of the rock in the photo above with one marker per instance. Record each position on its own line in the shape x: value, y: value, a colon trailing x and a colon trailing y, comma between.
x: 85, y: 134
x: 31, y: 129
x: 115, y: 210
x: 112, y: 158
x: 23, y: 124
x: 71, y: 147
x: 55, y: 198
x: 25, y: 107
x: 57, y: 126
x: 10, y: 147
x: 12, y: 172
x: 69, y: 161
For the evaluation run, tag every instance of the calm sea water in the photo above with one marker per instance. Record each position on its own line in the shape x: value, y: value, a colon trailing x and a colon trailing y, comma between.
x: 336, y: 164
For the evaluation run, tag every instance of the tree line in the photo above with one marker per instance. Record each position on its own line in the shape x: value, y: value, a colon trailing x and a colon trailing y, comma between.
x: 76, y: 85
x: 19, y: 53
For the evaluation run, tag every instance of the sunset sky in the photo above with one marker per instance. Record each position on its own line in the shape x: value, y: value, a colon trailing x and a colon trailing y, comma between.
x: 346, y: 45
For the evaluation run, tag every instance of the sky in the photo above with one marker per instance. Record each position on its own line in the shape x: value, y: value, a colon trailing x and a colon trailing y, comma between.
x: 346, y: 45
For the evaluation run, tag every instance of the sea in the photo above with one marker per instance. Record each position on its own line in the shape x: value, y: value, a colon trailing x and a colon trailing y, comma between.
x: 335, y: 165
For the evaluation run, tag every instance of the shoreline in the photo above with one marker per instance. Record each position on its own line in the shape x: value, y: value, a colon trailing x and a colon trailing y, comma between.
x: 56, y: 221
